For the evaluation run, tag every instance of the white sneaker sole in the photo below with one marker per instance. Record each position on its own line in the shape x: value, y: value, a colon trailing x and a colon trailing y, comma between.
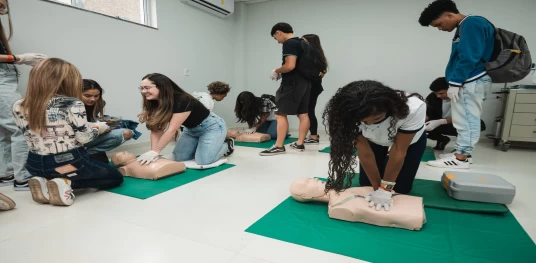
x: 55, y: 195
x: 37, y: 191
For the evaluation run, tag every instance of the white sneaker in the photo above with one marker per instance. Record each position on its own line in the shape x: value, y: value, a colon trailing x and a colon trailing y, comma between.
x: 60, y: 192
x: 450, y: 155
x: 38, y: 187
x: 449, y: 162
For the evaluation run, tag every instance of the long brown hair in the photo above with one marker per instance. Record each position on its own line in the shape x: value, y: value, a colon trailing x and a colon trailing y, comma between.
x: 315, y: 41
x: 3, y: 37
x: 51, y: 77
x: 98, y: 108
x: 158, y: 113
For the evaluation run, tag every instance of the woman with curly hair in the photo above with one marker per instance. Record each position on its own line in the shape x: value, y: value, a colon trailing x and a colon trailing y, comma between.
x: 217, y: 91
x: 370, y: 117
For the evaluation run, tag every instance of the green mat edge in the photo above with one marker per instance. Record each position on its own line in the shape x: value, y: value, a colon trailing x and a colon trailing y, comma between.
x: 222, y: 167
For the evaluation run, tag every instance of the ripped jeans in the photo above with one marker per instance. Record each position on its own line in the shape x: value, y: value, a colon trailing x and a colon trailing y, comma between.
x: 204, y: 143
x: 466, y: 114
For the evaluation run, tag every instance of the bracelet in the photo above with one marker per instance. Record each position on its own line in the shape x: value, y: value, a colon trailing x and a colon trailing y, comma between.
x: 10, y: 58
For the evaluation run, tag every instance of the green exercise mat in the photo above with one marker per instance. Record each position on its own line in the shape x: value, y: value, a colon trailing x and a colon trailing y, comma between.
x: 264, y: 145
x: 435, y: 196
x: 448, y: 236
x: 143, y: 189
x: 427, y: 156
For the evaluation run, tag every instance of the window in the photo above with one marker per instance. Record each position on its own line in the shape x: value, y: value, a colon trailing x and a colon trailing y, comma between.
x: 137, y: 11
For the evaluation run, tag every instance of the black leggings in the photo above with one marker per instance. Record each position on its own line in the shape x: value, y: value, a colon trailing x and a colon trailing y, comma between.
x: 316, y: 89
x: 404, y: 181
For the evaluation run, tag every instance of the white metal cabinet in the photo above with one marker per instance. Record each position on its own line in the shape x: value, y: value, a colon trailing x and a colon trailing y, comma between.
x: 519, y: 118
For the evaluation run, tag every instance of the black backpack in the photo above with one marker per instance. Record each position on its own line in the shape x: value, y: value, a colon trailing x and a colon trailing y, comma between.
x: 311, y: 65
x: 511, y: 60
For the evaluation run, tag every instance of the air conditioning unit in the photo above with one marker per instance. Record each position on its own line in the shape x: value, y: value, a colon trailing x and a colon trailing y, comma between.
x: 220, y: 8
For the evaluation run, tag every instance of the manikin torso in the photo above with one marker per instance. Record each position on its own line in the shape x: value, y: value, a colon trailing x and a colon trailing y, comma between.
x: 350, y: 205
x: 243, y: 137
x: 128, y: 166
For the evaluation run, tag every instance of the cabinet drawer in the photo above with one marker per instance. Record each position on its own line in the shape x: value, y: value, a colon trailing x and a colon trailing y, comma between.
x: 525, y: 119
x: 526, y: 98
x: 525, y: 108
x: 523, y: 131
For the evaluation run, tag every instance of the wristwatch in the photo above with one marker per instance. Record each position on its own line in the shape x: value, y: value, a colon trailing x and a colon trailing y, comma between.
x: 387, y: 186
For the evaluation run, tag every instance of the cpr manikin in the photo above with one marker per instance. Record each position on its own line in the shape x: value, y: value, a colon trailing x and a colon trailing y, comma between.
x: 244, y: 137
x: 128, y: 166
x: 350, y: 205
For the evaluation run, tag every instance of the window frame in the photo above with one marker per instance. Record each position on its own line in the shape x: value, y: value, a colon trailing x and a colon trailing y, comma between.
x: 147, y: 11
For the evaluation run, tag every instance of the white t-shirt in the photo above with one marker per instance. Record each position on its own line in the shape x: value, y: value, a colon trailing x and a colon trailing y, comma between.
x: 446, y: 108
x: 413, y: 123
x: 204, y: 98
x: 269, y: 106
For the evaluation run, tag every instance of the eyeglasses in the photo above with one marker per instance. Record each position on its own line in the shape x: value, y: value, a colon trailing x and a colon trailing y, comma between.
x: 142, y: 89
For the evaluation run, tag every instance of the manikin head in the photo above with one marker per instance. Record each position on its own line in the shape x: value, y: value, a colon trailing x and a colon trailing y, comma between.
x: 282, y: 32
x: 218, y: 90
x: 442, y: 14
x: 440, y: 87
x: 123, y: 158
x: 308, y: 189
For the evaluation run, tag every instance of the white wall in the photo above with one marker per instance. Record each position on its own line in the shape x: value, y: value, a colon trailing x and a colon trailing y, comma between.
x: 118, y: 54
x: 372, y: 39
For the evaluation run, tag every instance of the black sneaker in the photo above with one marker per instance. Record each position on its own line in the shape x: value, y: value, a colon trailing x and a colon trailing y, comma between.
x: 440, y: 145
x: 21, y: 186
x: 230, y: 145
x: 7, y: 180
x: 299, y: 148
x: 312, y: 141
x: 274, y: 150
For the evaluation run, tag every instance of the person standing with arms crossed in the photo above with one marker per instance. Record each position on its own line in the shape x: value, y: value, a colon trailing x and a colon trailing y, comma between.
x: 292, y: 97
x: 13, y: 148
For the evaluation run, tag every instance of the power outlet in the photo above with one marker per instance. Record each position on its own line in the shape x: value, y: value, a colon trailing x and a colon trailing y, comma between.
x: 186, y: 72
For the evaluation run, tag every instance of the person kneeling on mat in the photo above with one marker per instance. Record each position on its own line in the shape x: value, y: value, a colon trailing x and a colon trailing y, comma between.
x: 371, y: 117
x: 53, y: 120
x: 217, y: 92
x: 165, y: 108
x: 110, y: 139
x: 438, y: 115
x: 257, y: 112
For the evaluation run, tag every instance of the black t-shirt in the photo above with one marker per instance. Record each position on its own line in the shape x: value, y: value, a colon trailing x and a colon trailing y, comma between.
x: 291, y: 47
x: 3, y: 50
x: 198, y: 112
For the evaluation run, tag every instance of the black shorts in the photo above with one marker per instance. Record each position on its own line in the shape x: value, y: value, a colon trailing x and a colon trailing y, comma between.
x: 292, y: 97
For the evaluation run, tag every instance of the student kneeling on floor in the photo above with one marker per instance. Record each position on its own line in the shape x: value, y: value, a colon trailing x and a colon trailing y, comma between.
x: 110, y: 139
x: 371, y: 117
x: 53, y: 120
x: 165, y: 108
x: 439, y: 116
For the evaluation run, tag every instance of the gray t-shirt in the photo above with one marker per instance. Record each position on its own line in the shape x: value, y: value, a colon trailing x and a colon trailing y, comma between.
x: 446, y: 109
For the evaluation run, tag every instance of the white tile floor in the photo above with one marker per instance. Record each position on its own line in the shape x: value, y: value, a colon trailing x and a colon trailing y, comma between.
x: 204, y: 221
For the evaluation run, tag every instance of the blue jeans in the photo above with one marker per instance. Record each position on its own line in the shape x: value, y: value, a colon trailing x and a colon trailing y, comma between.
x: 270, y: 128
x: 13, y: 147
x: 466, y: 114
x: 106, y: 142
x: 206, y: 142
x: 89, y: 173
